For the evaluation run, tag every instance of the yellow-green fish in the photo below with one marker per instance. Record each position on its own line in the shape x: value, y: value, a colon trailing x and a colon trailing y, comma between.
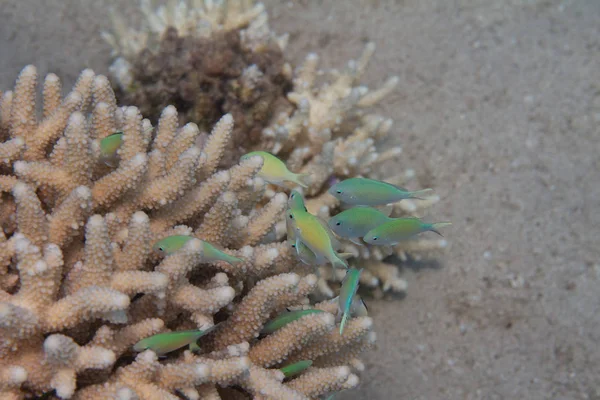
x: 163, y: 343
x: 171, y: 244
x: 275, y: 171
x: 347, y: 293
x: 315, y: 234
x: 285, y: 318
x: 295, y: 368
x: 110, y: 144
x: 109, y: 147
x: 296, y: 204
x: 370, y: 192
x: 355, y: 222
x: 399, y: 229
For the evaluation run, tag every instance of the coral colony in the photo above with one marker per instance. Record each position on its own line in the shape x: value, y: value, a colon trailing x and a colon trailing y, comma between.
x: 150, y: 259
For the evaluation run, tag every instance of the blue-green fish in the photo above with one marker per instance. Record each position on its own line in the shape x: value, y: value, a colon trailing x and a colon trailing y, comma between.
x: 163, y: 343
x: 285, y: 318
x: 295, y: 368
x: 370, y: 192
x: 312, y: 232
x: 347, y: 292
x: 275, y: 171
x: 171, y: 244
x: 399, y: 229
x: 355, y: 222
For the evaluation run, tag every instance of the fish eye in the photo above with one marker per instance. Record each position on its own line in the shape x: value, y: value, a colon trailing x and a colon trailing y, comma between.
x: 374, y: 237
x: 338, y: 223
x: 291, y: 216
x: 339, y: 191
x: 161, y: 248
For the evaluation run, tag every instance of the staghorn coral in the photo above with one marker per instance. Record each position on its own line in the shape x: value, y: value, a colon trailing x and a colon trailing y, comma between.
x: 326, y: 128
x: 80, y: 284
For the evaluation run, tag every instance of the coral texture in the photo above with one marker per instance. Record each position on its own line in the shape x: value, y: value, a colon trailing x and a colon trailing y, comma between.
x: 324, y: 127
x: 80, y: 283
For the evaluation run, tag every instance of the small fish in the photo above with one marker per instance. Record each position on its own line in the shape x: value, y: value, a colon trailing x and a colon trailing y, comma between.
x: 399, y: 229
x: 315, y: 234
x: 171, y: 244
x: 347, y: 292
x: 110, y: 144
x: 295, y: 368
x: 354, y: 223
x: 369, y: 192
x: 163, y: 343
x: 296, y: 204
x: 285, y: 318
x: 274, y: 170
x: 109, y: 147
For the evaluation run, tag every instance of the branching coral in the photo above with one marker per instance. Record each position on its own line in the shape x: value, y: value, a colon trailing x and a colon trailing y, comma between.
x: 325, y: 128
x: 80, y: 283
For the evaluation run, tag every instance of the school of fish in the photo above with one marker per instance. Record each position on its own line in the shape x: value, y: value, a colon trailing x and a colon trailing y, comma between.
x: 315, y: 241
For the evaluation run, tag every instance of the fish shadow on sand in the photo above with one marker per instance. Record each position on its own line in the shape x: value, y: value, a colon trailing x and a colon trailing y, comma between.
x: 415, y: 265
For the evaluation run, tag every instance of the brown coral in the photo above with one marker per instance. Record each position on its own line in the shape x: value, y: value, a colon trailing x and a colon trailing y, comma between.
x: 205, y: 78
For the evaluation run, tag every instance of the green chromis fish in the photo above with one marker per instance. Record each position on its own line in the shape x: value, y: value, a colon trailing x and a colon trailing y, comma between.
x: 369, y: 192
x: 315, y: 234
x: 285, y: 318
x: 110, y: 144
x: 355, y: 222
x: 275, y: 171
x: 163, y: 343
x: 347, y: 293
x: 399, y: 229
x: 171, y: 244
x: 109, y: 147
x: 295, y: 368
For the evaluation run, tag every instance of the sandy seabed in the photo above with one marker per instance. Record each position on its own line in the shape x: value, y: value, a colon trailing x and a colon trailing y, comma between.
x: 498, y: 108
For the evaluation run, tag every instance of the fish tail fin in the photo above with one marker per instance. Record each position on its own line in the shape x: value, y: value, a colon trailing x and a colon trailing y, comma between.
x: 418, y: 193
x: 437, y: 225
x: 302, y: 180
x: 343, y: 323
x: 337, y: 262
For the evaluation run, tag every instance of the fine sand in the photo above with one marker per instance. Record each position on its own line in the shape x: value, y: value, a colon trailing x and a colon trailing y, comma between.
x: 498, y: 109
